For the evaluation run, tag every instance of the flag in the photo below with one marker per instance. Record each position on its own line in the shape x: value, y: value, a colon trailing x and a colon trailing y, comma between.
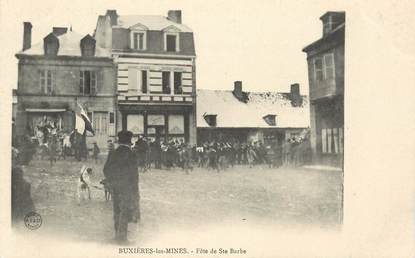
x: 82, y: 121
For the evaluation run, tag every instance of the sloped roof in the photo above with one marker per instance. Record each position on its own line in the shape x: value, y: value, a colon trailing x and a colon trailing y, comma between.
x: 69, y: 45
x: 232, y: 113
x: 152, y: 22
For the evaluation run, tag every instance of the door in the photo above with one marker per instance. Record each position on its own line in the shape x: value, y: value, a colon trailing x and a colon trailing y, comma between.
x: 100, y: 124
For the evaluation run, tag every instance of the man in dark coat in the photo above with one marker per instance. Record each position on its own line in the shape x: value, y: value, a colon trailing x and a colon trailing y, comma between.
x: 121, y: 171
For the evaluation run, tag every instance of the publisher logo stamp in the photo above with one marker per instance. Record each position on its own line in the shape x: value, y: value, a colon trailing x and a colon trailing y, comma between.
x: 33, y: 220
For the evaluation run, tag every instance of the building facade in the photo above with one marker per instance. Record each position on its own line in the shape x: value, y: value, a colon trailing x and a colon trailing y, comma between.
x: 325, y: 59
x: 156, y: 80
x: 55, y: 75
x: 237, y: 115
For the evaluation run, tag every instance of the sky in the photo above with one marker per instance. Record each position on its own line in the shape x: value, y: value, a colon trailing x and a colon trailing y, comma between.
x: 257, y: 42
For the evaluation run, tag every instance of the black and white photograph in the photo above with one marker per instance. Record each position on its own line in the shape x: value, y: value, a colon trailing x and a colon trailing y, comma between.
x: 176, y: 129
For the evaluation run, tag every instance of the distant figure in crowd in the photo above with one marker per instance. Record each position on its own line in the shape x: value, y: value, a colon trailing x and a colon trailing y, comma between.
x: 95, y: 152
x: 52, y: 149
x: 121, y: 171
x: 140, y: 149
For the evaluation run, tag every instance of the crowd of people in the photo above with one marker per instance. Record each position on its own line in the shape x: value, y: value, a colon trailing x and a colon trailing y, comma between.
x: 219, y: 155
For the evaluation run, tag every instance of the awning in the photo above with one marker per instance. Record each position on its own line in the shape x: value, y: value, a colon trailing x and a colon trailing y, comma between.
x: 45, y: 110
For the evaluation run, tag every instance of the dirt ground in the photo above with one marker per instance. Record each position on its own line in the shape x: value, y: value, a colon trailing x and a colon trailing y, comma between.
x: 172, y: 199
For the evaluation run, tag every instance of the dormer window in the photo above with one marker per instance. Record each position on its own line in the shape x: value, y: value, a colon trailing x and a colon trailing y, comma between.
x: 210, y: 119
x: 171, y: 43
x: 270, y: 119
x: 138, y: 40
x: 171, y: 39
x: 51, y: 45
x: 88, y: 46
x: 138, y: 37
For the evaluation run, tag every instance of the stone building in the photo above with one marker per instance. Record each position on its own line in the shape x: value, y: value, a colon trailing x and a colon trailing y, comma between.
x: 325, y: 58
x: 155, y: 59
x: 228, y: 115
x: 54, y: 75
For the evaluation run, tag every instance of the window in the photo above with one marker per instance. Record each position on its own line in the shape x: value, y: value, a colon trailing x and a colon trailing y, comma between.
x: 135, y: 123
x: 166, y: 82
x: 87, y: 82
x: 88, y: 50
x: 138, y: 37
x: 270, y: 119
x: 112, y: 117
x: 46, y: 81
x: 138, y: 40
x: 171, y: 43
x: 329, y: 66
x: 318, y: 69
x: 137, y: 80
x: 176, y: 125
x: 178, y: 89
x: 210, y: 120
x: 144, y: 81
x: 324, y: 67
x: 332, y: 140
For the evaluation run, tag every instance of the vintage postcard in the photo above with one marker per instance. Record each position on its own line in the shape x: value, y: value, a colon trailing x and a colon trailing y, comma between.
x: 191, y: 129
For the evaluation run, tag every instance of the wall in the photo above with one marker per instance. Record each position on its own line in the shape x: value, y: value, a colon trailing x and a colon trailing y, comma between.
x: 155, y: 68
x: 67, y: 73
x: 155, y: 42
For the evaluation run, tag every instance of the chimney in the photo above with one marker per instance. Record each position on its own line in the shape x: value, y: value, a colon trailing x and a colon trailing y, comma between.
x: 113, y: 16
x: 238, y: 93
x: 237, y: 88
x: 295, y: 96
x: 59, y: 31
x: 27, y: 35
x: 331, y: 20
x: 175, y: 16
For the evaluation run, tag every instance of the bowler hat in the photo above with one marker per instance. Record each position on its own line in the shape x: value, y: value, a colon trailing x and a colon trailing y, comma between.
x: 124, y: 137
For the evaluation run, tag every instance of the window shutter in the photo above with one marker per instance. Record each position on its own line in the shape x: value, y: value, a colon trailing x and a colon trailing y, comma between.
x: 329, y: 66
x: 132, y: 79
x: 329, y: 140
x: 341, y: 140
x: 336, y: 140
x: 94, y: 81
x: 81, y: 82
x: 323, y: 141
x: 54, y: 72
x: 42, y: 81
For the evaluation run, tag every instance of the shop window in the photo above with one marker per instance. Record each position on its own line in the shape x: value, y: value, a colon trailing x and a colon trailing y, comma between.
x: 155, y: 120
x: 135, y: 123
x: 176, y: 124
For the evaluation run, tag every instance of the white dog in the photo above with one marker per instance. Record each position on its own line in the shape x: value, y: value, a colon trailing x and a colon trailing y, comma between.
x: 84, y: 184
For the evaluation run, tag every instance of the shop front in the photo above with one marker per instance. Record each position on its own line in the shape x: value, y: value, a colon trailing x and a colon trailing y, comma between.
x: 157, y: 122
